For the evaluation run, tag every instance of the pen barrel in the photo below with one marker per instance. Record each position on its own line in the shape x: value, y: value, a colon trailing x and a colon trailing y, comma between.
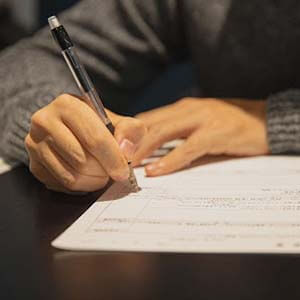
x: 78, y: 71
x: 111, y: 128
x: 61, y: 36
x: 93, y: 100
x: 85, y: 84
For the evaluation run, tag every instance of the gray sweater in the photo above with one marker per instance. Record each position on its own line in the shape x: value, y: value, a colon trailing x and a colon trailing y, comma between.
x: 246, y: 49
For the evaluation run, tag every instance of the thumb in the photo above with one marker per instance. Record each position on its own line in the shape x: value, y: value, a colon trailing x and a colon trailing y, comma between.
x: 129, y: 132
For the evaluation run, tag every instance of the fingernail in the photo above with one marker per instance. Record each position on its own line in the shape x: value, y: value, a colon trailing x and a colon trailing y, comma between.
x: 135, y: 163
x: 128, y: 148
x: 155, y: 168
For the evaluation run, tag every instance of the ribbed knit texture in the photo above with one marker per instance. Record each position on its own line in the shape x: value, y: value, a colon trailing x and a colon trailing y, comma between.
x: 245, y: 49
x: 283, y: 119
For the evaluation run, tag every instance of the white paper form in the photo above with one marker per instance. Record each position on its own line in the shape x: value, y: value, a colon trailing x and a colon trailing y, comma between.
x: 5, y: 166
x: 242, y: 205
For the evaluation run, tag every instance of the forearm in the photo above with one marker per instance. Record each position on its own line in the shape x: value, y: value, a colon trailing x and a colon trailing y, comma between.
x: 30, y: 79
x: 123, y: 44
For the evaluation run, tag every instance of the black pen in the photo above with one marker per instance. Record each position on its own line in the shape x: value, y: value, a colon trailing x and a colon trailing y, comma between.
x: 83, y: 80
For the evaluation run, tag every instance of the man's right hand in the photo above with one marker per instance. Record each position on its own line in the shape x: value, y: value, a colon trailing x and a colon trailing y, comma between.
x: 71, y: 150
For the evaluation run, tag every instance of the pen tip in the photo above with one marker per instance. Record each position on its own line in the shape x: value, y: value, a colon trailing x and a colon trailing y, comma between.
x: 133, y: 182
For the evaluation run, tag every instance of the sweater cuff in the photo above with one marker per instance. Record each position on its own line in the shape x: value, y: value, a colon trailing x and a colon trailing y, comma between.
x: 16, y: 130
x: 283, y: 122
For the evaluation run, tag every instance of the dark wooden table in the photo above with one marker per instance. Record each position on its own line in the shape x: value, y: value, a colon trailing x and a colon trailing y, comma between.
x: 31, y: 217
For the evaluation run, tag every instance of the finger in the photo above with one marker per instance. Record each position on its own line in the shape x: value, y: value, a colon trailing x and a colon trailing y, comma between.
x: 44, y: 155
x: 129, y: 133
x: 195, y: 146
x: 95, y: 138
x: 157, y: 115
x: 85, y: 164
x: 79, y: 182
x: 52, y: 161
x: 64, y: 142
x: 158, y: 135
x: 82, y: 183
x: 44, y: 176
x: 131, y: 129
x: 113, y: 116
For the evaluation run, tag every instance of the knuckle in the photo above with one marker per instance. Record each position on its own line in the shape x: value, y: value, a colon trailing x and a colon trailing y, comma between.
x: 133, y: 121
x: 131, y: 128
x: 49, y: 140
x: 64, y: 101
x: 63, y: 98
x: 136, y: 122
x: 27, y: 140
x: 29, y: 143
x: 39, y: 118
x: 140, y: 125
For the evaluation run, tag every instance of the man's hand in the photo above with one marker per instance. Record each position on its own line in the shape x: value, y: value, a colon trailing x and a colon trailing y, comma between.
x: 210, y: 126
x: 71, y: 150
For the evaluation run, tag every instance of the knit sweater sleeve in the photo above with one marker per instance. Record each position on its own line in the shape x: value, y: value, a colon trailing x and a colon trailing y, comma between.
x: 124, y: 44
x: 283, y: 122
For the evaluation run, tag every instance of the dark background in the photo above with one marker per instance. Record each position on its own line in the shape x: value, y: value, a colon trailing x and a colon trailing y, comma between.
x: 10, y: 28
x: 52, y: 7
x: 176, y: 82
